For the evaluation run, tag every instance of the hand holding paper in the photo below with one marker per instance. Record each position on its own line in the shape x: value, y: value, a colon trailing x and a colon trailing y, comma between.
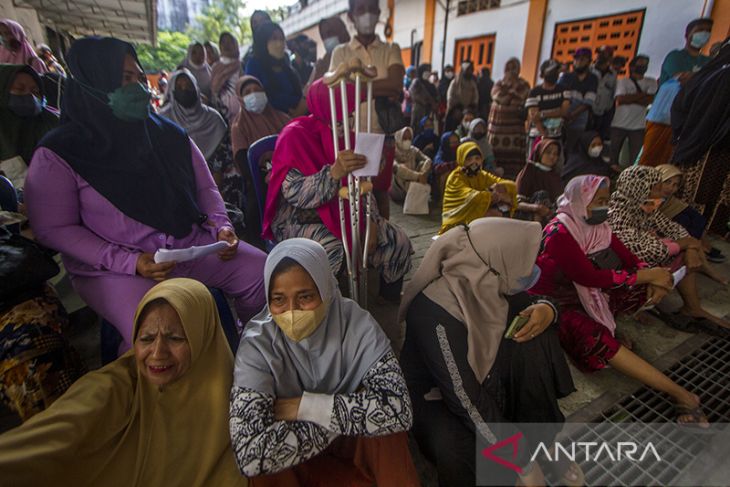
x: 370, y: 146
x: 181, y: 255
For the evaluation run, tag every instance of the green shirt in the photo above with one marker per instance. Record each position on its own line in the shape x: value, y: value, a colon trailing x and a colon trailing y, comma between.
x: 678, y: 61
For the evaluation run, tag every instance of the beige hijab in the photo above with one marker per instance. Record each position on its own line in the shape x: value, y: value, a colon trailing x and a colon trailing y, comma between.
x: 461, y: 277
x: 113, y: 428
x: 673, y: 206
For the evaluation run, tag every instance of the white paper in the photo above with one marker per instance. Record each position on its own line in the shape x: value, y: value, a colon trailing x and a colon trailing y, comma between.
x: 15, y: 170
x: 679, y: 274
x: 181, y: 255
x: 370, y: 146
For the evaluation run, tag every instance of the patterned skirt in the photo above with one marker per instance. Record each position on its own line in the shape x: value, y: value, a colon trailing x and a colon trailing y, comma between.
x: 707, y: 188
x: 506, y: 134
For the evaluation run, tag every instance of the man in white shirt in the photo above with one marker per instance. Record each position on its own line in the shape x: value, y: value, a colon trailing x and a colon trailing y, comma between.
x: 633, y: 95
x: 603, y: 106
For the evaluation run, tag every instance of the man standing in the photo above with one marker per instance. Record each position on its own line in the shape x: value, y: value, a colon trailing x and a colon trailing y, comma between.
x: 581, y: 86
x: 603, y: 106
x: 485, y: 83
x: 547, y: 105
x: 387, y: 87
x: 679, y: 64
x: 633, y: 95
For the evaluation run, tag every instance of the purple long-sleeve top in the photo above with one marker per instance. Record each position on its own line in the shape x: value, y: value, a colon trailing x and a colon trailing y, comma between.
x: 93, y: 236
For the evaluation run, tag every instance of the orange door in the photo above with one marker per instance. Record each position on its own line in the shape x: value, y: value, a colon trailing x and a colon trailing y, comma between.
x: 479, y: 50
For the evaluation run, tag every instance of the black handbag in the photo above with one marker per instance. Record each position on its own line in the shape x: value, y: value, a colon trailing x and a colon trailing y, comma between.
x: 606, y: 259
x: 24, y: 265
x: 390, y: 116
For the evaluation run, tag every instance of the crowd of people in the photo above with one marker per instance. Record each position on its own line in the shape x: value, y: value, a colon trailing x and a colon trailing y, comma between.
x: 546, y: 218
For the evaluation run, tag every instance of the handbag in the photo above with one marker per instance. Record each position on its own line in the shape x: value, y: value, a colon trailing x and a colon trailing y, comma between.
x: 417, y: 196
x: 606, y: 259
x: 24, y: 265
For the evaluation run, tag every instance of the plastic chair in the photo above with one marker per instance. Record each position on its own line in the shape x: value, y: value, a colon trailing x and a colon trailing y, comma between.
x: 9, y: 201
x: 255, y: 152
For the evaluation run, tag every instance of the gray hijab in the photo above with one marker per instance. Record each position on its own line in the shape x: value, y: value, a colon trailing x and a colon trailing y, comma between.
x: 333, y: 360
x: 203, y: 124
x: 202, y: 72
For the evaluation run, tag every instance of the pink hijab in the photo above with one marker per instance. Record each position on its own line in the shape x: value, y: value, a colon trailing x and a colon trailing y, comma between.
x: 25, y: 54
x: 591, y: 238
x: 305, y: 144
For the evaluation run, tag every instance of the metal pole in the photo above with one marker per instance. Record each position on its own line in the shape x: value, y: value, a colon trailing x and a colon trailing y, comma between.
x: 446, y: 28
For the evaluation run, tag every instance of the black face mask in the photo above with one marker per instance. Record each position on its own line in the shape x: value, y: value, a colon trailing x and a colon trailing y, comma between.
x: 551, y: 77
x: 25, y: 106
x: 186, y: 98
x: 580, y: 69
x: 599, y: 215
x: 479, y: 135
x: 640, y: 70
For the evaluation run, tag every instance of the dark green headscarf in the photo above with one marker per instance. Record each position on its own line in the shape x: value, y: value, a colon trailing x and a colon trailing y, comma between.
x: 18, y: 135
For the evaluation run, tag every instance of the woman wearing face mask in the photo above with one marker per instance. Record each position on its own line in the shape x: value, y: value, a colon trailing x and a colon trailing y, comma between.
x: 132, y: 422
x: 472, y: 192
x: 23, y: 119
x: 538, y: 183
x: 15, y: 47
x: 424, y: 95
x: 255, y: 120
x: 469, y: 385
x: 586, y: 158
x: 223, y: 78
x: 445, y: 161
x: 306, y: 368
x: 463, y: 90
x: 635, y: 219
x: 426, y: 140
x: 212, y: 53
x: 410, y: 165
x: 507, y: 119
x: 196, y: 62
x: 477, y: 132
x: 333, y: 32
x: 114, y: 183
x: 270, y: 65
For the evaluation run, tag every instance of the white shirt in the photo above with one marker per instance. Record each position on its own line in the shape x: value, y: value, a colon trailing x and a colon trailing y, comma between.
x: 605, y: 91
x: 632, y: 117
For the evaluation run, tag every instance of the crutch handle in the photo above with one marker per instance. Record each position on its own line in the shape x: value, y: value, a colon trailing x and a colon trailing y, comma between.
x: 365, y: 187
x: 347, y: 70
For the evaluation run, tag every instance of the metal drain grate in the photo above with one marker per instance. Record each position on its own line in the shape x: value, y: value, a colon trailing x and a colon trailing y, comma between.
x: 706, y: 372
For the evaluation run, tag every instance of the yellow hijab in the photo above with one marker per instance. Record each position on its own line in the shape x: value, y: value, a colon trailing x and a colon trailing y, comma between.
x: 113, y: 428
x: 467, y: 198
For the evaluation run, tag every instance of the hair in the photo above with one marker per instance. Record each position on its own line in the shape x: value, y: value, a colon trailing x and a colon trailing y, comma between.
x: 639, y: 57
x: 549, y: 65
x: 468, y: 111
x: 448, y: 67
x: 474, y: 152
x: 696, y: 22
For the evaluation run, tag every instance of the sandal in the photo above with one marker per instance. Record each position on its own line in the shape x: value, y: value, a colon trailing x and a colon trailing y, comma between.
x: 559, y: 469
x: 697, y: 416
x: 677, y: 321
x: 711, y: 328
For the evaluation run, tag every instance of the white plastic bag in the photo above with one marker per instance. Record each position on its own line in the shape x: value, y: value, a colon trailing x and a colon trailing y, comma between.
x: 416, y: 202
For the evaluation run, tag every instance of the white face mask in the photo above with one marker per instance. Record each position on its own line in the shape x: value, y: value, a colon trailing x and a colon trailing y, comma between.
x: 595, y: 151
x: 195, y: 66
x: 542, y: 167
x: 227, y: 60
x: 330, y: 43
x: 405, y: 144
x: 449, y: 74
x: 425, y: 76
x: 255, y: 102
x: 365, y: 24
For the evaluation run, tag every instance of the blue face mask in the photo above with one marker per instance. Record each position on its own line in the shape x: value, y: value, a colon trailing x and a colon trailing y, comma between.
x: 699, y: 39
x: 130, y: 102
x: 26, y: 106
x: 525, y: 283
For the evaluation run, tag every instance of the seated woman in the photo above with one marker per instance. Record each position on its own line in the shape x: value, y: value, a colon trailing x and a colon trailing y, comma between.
x: 478, y: 133
x: 307, y: 367
x: 586, y: 158
x: 133, y: 422
x: 445, y: 161
x: 196, y: 62
x: 468, y: 385
x: 16, y: 48
x: 301, y: 199
x: 115, y: 183
x: 426, y: 139
x: 23, y: 119
x: 410, y: 165
x: 587, y: 269
x: 660, y: 242
x: 256, y: 119
x: 538, y: 183
x: 224, y: 76
x: 270, y: 64
x: 471, y: 192
x: 184, y: 106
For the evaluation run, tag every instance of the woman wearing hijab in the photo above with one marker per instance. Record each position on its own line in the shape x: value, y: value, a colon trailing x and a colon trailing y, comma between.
x: 586, y: 158
x: 23, y: 119
x: 196, y: 62
x: 468, y: 385
x: 426, y: 139
x: 306, y: 177
x: 593, y: 276
x: 477, y: 132
x: 16, y: 48
x: 660, y: 242
x: 423, y: 94
x: 184, y: 106
x: 463, y: 91
x: 107, y: 198
x: 408, y: 78
x: 410, y: 165
x: 507, y: 118
x: 132, y: 422
x: 256, y: 119
x: 212, y: 53
x: 445, y: 160
x: 224, y: 76
x: 270, y: 65
x: 307, y: 367
x: 471, y: 192
x: 538, y: 183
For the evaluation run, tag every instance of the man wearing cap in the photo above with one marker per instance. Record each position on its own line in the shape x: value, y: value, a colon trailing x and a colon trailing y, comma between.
x: 603, y: 106
x: 581, y: 86
x: 547, y: 104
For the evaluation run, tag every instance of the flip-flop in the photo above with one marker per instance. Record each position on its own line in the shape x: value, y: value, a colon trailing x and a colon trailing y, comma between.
x: 692, y: 426
x: 711, y: 328
x: 559, y: 469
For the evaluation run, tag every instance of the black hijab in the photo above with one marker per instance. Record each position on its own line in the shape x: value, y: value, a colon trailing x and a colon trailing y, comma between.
x: 580, y: 163
x: 143, y: 168
x: 426, y: 68
x: 261, y: 37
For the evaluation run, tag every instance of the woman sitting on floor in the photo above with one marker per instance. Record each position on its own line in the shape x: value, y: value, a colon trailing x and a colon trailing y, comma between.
x: 586, y: 158
x: 471, y: 192
x: 133, y: 422
x: 445, y: 161
x: 635, y: 218
x: 426, y: 139
x: 410, y: 165
x: 538, y: 183
x: 468, y: 384
x: 478, y: 133
x: 592, y: 275
x: 307, y: 368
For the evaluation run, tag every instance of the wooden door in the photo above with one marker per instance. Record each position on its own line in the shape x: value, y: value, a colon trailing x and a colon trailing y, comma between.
x: 479, y: 50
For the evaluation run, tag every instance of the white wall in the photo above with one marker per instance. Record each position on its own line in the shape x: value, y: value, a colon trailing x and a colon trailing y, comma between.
x: 663, y: 30
x: 508, y: 23
x: 409, y: 15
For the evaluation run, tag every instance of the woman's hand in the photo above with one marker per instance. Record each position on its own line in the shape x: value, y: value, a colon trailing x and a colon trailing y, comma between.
x: 347, y: 161
x: 654, y: 294
x: 541, y: 316
x: 227, y: 235
x: 146, y: 267
x: 657, y: 276
x: 500, y: 195
x: 286, y: 409
x: 689, y: 243
x: 423, y: 178
x: 692, y: 258
x: 535, y: 478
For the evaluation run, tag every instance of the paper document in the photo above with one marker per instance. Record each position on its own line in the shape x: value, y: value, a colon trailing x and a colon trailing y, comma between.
x: 370, y: 146
x: 181, y: 255
x: 679, y: 274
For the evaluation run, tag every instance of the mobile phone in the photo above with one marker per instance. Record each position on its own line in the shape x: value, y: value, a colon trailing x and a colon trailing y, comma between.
x: 516, y: 325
